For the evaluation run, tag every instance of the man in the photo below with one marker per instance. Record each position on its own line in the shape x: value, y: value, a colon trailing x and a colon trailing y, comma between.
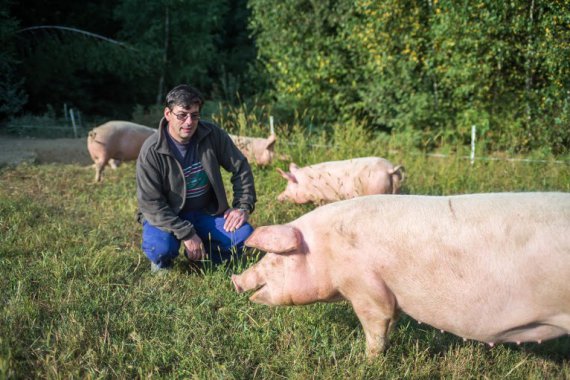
x: 180, y: 192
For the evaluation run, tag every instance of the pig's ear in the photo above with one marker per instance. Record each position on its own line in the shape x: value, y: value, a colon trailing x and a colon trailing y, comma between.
x: 270, y: 142
x: 293, y: 167
x: 288, y: 176
x: 279, y: 238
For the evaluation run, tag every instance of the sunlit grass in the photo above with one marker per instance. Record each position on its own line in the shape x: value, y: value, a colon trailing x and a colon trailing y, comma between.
x: 79, y: 299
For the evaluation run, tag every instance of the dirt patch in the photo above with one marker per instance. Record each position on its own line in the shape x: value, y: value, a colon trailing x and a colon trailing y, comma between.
x: 15, y: 150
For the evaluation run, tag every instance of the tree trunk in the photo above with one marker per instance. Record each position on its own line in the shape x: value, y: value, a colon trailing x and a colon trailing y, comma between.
x: 160, y: 94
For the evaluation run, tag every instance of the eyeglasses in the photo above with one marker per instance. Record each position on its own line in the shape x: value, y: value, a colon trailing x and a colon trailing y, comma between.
x: 183, y: 116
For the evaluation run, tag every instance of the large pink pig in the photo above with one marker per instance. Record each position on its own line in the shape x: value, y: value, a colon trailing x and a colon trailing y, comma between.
x: 490, y: 267
x: 256, y: 149
x: 114, y: 142
x: 336, y: 180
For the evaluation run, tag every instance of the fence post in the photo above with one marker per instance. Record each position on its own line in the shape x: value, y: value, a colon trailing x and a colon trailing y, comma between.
x: 79, y: 122
x: 271, y: 129
x: 473, y: 134
x: 73, y: 122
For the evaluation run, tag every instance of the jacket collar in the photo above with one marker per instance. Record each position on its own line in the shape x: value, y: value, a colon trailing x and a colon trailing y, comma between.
x: 162, y: 144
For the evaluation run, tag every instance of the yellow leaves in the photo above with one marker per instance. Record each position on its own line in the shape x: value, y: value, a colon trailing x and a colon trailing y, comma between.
x: 365, y: 3
x: 411, y: 53
x: 370, y: 12
x: 322, y: 62
x: 378, y: 63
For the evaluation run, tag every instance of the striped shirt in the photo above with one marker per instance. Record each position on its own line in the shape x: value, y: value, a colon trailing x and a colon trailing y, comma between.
x: 198, y: 188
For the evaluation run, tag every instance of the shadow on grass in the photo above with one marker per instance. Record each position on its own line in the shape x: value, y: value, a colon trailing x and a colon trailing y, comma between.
x: 438, y: 343
x: 342, y: 314
x: 556, y: 350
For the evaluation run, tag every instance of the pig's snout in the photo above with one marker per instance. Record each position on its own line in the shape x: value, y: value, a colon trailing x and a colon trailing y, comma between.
x: 247, y: 282
x: 235, y: 280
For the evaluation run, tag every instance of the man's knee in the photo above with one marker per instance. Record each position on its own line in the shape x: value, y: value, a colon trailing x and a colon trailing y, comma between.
x: 160, y: 252
x: 237, y: 238
x: 242, y: 234
x: 159, y: 246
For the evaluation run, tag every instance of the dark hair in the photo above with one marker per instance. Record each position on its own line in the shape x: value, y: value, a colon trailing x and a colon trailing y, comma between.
x: 184, y: 96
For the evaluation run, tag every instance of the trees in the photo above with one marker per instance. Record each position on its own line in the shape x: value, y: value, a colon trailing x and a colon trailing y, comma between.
x: 12, y: 96
x: 67, y: 65
x: 300, y: 44
x: 433, y: 67
x: 155, y: 45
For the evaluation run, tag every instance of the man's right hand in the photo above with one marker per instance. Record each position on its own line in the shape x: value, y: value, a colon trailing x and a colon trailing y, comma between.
x: 194, y: 248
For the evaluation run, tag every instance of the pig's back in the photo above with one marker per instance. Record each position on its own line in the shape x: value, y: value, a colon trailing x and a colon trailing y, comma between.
x: 118, y: 127
x: 352, y: 166
x: 334, y: 180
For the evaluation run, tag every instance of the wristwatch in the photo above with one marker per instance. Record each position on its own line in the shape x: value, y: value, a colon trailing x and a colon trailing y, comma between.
x: 245, y: 208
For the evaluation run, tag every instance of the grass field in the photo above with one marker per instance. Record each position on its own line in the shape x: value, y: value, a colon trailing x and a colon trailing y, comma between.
x: 79, y: 301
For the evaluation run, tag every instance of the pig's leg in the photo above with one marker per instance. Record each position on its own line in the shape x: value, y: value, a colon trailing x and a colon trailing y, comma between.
x: 99, y: 162
x: 376, y: 310
x: 114, y: 163
x: 99, y: 167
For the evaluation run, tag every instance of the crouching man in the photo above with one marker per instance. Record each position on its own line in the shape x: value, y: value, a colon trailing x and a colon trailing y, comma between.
x: 180, y: 192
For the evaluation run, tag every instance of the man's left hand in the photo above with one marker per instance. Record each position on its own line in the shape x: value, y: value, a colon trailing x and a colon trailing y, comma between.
x: 235, y: 218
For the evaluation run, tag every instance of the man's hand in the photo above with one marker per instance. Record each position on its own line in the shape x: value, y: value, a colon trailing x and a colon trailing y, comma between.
x: 235, y: 218
x: 194, y: 248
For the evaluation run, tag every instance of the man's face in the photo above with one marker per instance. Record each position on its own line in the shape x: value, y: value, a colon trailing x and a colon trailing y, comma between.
x: 182, y: 122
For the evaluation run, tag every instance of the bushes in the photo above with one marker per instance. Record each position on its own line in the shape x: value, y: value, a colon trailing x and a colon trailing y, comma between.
x: 437, y: 67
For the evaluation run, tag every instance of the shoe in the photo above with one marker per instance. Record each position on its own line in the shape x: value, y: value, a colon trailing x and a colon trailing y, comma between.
x: 154, y: 268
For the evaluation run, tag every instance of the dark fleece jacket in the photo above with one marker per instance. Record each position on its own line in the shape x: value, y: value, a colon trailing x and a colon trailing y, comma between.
x: 161, y: 187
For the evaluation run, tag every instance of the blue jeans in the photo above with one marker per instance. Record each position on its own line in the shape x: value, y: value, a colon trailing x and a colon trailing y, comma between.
x: 162, y: 247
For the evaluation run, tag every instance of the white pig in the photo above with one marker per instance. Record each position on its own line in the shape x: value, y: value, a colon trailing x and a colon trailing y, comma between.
x: 336, y: 180
x: 114, y: 142
x: 492, y: 267
x: 256, y: 149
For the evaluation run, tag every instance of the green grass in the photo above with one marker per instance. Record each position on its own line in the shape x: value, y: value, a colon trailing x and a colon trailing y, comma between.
x: 79, y: 300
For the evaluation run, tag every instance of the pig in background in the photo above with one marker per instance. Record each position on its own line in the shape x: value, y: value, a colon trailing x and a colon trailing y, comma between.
x: 337, y: 180
x: 491, y: 267
x: 114, y: 142
x: 256, y: 149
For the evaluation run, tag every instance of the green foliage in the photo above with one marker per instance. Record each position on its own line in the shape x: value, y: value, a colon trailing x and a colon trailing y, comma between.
x: 75, y: 70
x: 436, y: 67
x: 244, y: 118
x: 107, y: 57
x: 12, y: 96
x: 149, y: 116
x: 306, y: 60
x: 428, y: 69
x: 199, y: 42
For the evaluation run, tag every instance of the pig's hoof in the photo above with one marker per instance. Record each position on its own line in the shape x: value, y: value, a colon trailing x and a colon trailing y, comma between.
x: 372, y: 352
